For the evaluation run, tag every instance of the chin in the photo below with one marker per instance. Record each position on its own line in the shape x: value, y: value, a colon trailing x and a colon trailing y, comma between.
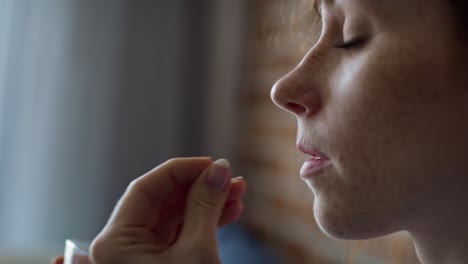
x: 346, y: 225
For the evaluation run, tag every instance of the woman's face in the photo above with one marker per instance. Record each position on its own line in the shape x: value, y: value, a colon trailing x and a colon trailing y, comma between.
x: 384, y: 94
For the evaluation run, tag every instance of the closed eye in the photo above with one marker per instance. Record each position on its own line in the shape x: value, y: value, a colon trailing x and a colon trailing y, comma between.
x: 354, y: 43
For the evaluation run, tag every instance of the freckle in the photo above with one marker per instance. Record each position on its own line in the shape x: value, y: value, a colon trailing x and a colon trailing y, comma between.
x: 336, y: 228
x: 354, y: 189
x: 374, y: 179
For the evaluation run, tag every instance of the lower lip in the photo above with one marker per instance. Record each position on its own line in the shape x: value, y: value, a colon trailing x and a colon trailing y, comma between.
x: 314, y: 167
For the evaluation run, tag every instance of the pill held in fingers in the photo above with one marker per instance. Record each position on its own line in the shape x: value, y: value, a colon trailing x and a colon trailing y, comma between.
x: 222, y: 162
x: 236, y: 179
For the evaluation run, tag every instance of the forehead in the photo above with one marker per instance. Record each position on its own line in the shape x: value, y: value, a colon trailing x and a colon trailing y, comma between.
x: 383, y: 10
x: 363, y: 3
x: 368, y: 6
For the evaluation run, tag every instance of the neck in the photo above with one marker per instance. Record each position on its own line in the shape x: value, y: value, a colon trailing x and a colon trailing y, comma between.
x: 442, y: 239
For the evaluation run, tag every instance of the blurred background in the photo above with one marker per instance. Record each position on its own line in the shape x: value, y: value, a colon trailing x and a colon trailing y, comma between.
x: 95, y: 93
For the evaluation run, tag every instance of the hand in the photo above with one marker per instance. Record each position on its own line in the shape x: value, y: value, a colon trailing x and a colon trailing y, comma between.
x: 57, y: 260
x: 76, y: 260
x: 170, y: 215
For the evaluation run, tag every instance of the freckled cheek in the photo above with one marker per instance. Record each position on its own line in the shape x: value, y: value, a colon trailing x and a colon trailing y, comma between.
x: 360, y: 129
x: 371, y: 109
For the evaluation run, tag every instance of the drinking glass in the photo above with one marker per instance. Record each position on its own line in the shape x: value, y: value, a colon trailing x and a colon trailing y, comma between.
x: 76, y: 252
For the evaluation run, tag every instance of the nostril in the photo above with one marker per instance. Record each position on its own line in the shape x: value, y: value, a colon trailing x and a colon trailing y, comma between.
x: 296, y: 108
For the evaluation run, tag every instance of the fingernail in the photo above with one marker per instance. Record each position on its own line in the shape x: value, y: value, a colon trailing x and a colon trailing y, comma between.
x: 218, y: 177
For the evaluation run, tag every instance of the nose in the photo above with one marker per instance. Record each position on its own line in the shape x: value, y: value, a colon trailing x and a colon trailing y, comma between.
x: 296, y: 94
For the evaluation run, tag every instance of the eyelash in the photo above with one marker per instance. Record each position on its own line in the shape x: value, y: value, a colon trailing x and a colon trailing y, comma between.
x: 352, y: 44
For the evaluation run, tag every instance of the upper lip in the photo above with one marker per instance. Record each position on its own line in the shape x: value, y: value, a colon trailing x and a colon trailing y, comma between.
x: 311, y: 150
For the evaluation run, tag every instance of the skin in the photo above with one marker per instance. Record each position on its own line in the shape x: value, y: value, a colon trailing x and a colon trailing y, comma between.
x: 391, y: 112
x: 169, y: 215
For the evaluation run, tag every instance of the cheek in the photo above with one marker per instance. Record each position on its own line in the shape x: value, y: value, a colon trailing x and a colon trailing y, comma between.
x: 376, y: 118
x: 386, y: 108
x: 366, y: 115
x: 385, y: 103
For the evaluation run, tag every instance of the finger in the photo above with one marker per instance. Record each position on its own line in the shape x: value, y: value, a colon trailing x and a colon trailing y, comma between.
x: 57, y: 260
x: 167, y: 227
x: 237, y: 189
x: 233, y: 207
x: 231, y: 212
x: 78, y: 259
x: 170, y: 219
x: 146, y: 196
x: 205, y: 203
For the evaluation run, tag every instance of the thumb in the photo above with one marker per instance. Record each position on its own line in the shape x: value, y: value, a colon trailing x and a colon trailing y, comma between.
x: 205, y: 202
